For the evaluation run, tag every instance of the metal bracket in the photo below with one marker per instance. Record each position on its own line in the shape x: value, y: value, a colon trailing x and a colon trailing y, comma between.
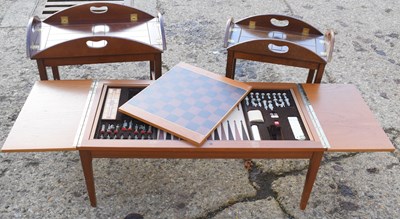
x: 64, y: 20
x: 134, y: 17
x: 314, y: 118
x: 252, y: 24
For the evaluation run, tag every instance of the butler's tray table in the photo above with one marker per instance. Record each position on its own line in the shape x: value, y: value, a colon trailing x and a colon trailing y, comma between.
x: 96, y: 33
x: 278, y: 39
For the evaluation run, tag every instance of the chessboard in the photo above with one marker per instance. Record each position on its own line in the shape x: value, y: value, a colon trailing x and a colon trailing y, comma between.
x: 187, y: 102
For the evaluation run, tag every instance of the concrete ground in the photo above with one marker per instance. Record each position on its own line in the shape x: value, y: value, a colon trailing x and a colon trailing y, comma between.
x: 349, y: 185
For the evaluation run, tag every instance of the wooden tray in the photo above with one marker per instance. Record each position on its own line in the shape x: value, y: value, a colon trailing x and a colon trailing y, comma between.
x: 278, y: 39
x: 96, y: 33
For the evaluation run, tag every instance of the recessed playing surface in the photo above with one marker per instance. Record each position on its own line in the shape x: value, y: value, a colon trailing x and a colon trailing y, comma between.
x: 187, y: 101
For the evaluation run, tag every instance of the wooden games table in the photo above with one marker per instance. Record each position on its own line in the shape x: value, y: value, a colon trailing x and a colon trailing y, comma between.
x: 336, y: 119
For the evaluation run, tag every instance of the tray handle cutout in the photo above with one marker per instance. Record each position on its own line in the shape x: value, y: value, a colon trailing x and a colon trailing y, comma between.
x: 96, y: 44
x: 98, y: 10
x: 278, y: 49
x: 279, y: 23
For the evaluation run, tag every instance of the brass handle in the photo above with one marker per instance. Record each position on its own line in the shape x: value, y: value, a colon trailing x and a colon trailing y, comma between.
x: 96, y: 44
x: 277, y: 49
x: 279, y: 23
x: 98, y: 10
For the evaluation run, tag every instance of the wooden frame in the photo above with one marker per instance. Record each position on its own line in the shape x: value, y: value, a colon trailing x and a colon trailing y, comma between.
x: 96, y: 33
x: 136, y: 109
x: 91, y: 148
x: 264, y: 38
x: 88, y: 155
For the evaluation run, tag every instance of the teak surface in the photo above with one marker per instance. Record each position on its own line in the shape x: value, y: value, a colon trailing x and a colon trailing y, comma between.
x: 50, y: 118
x: 347, y: 121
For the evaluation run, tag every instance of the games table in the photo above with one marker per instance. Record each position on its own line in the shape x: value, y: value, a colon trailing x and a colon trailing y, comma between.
x: 335, y: 119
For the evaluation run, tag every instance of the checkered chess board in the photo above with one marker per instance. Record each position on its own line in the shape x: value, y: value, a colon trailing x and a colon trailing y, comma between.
x: 187, y: 101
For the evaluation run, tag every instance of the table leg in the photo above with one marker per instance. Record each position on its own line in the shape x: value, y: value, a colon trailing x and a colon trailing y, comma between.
x: 86, y: 160
x: 152, y: 74
x: 230, y: 65
x: 42, y: 70
x: 313, y: 167
x: 157, y: 66
x: 320, y: 73
x: 310, y: 77
x: 56, y: 74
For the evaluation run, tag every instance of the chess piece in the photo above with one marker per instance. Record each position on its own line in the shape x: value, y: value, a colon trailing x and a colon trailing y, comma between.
x: 136, y: 129
x: 259, y: 102
x: 149, y: 132
x: 253, y: 102
x: 265, y: 104
x: 116, y: 129
x: 130, y: 126
x: 270, y: 106
x: 103, y: 128
x: 287, y: 101
x: 109, y: 129
x: 124, y: 126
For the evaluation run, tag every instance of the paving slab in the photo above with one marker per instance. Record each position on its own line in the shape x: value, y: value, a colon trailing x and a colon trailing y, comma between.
x: 280, y: 167
x: 260, y: 209
x: 51, y: 185
x: 23, y: 9
x: 363, y: 186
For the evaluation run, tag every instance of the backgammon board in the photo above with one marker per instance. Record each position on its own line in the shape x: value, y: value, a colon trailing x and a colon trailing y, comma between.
x: 188, y: 102
x: 264, y: 114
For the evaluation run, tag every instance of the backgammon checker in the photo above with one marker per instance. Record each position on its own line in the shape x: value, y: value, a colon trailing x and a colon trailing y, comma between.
x: 96, y: 33
x: 319, y: 118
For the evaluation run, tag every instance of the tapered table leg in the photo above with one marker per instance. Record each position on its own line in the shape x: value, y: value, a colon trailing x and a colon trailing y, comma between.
x: 157, y: 66
x: 310, y: 77
x: 313, y: 167
x: 86, y: 160
x: 230, y: 65
x: 152, y: 74
x: 56, y: 74
x: 42, y: 70
x: 320, y: 73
